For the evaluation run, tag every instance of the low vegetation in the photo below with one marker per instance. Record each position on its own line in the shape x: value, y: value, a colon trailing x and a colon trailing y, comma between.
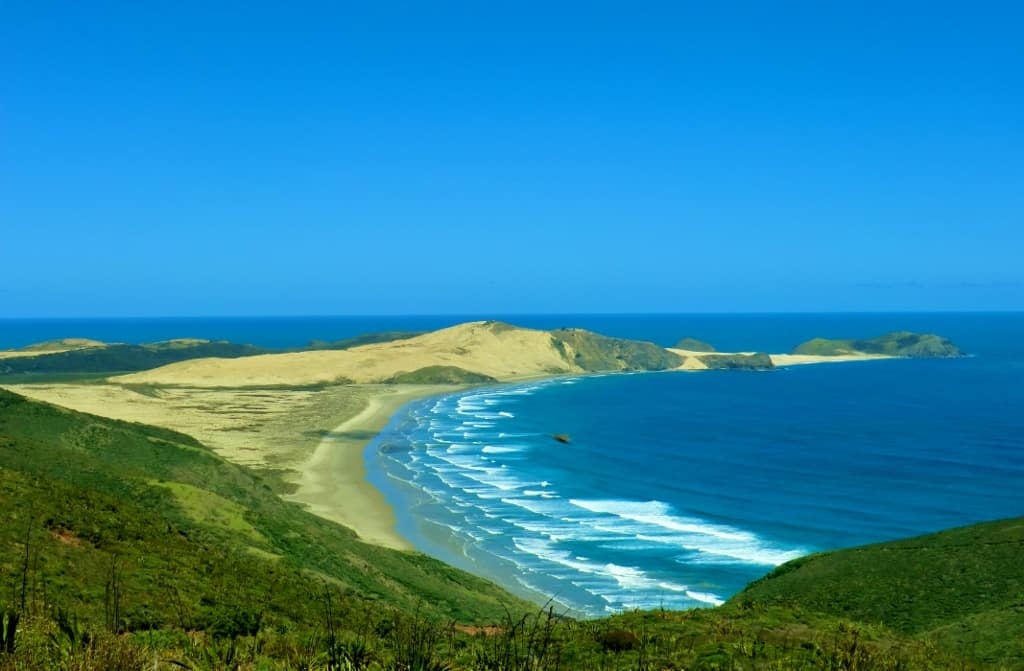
x: 900, y: 343
x: 441, y: 375
x: 191, y: 534
x: 963, y: 588
x: 60, y: 345
x: 364, y: 339
x: 597, y: 353
x: 757, y: 361
x: 110, y: 359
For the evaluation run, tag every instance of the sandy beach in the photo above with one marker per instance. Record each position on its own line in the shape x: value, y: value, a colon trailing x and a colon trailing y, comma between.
x: 333, y: 484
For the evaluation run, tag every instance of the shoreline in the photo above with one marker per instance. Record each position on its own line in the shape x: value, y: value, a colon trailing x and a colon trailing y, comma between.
x: 334, y: 483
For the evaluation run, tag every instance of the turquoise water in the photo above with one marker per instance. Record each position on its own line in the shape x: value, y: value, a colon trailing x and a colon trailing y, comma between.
x: 677, y: 489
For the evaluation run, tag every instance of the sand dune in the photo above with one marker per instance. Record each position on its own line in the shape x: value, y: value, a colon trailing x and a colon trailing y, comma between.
x: 489, y: 348
x: 691, y: 360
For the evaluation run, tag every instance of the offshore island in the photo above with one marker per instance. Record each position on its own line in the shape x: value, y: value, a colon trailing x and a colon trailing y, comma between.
x: 154, y: 487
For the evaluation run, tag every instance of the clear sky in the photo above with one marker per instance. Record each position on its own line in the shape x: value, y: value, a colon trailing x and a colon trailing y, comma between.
x: 230, y: 158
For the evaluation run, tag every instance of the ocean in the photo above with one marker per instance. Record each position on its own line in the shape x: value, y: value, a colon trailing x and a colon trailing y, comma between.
x: 677, y: 489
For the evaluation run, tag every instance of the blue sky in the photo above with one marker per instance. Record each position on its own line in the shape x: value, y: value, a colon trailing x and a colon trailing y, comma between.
x: 304, y: 158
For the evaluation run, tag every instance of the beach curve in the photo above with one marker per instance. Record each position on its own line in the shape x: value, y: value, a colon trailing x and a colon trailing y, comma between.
x: 333, y: 482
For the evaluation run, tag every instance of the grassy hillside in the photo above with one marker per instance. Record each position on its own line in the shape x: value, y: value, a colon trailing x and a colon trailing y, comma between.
x: 757, y: 361
x: 900, y: 343
x: 597, y: 353
x: 119, y: 358
x: 193, y: 536
x: 963, y: 587
x: 60, y: 345
x: 441, y: 375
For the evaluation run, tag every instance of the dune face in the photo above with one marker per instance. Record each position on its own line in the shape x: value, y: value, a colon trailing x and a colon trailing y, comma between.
x: 487, y: 349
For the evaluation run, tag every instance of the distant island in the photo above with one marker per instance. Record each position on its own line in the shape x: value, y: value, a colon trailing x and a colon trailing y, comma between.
x: 899, y: 344
x: 694, y: 345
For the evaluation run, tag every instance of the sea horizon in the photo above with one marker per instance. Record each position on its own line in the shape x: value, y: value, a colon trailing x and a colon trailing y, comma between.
x: 28, y: 330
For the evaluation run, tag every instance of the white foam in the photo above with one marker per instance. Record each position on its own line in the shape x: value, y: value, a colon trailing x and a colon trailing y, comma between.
x: 496, y: 449
x: 705, y: 597
x: 691, y: 534
x: 656, y: 514
x: 625, y: 577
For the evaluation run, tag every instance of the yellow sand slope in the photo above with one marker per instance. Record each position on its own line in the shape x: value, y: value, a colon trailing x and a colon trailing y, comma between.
x: 489, y: 348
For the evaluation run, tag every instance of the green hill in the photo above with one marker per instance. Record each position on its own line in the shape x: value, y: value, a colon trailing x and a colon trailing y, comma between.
x: 60, y: 345
x: 900, y: 343
x: 756, y: 361
x: 101, y: 361
x: 441, y: 375
x: 694, y: 345
x: 597, y: 353
x: 963, y: 587
x: 364, y: 339
x: 89, y: 492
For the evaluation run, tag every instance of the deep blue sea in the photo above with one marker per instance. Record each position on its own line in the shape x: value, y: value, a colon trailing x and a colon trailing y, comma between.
x: 679, y: 488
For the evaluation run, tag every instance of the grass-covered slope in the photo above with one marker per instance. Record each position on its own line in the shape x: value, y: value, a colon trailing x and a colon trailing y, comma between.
x: 191, y: 537
x: 964, y: 587
x: 597, y: 353
x: 900, y: 343
x: 441, y: 375
x: 121, y: 358
x: 59, y: 345
x: 756, y: 361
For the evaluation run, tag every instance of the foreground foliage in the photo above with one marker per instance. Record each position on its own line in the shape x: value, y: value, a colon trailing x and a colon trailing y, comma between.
x: 388, y: 640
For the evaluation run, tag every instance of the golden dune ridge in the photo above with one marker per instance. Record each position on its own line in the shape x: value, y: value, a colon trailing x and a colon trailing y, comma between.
x: 487, y: 348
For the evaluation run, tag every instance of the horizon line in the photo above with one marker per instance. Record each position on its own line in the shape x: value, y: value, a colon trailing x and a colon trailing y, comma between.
x: 484, y: 316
